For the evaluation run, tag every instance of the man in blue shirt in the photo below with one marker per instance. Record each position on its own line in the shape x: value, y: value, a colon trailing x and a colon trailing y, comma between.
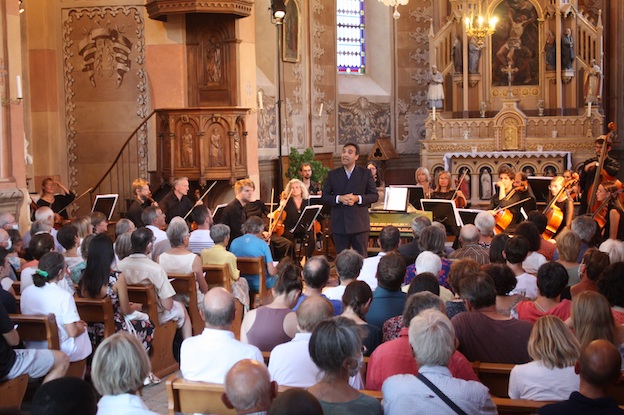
x: 388, y: 299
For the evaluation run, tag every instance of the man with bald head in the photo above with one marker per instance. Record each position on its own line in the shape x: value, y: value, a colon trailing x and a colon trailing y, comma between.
x: 248, y: 388
x: 599, y: 369
x: 470, y: 248
x: 208, y: 356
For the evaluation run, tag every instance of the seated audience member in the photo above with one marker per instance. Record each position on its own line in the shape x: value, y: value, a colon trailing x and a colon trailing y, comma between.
x: 515, y: 252
x: 534, y: 259
x: 120, y: 365
x: 45, y: 297
x: 470, y: 248
x: 389, y: 239
x: 504, y: 282
x: 547, y: 247
x: 592, y: 319
x: 200, y: 238
x: 154, y: 220
x: 290, y: 363
x: 428, y: 262
x: 485, y: 223
x: 123, y: 246
x: 591, y: 268
x: 295, y: 401
x: 586, y: 228
x: 99, y: 222
x: 348, y: 265
x: 550, y: 376
x: 139, y: 269
x: 432, y: 239
x: 208, y: 356
x: 611, y: 285
x: 76, y: 273
x: 432, y: 339
x: 599, y: 369
x: 44, y: 222
x: 35, y: 363
x: 395, y: 356
x: 180, y: 260
x: 83, y: 224
x: 219, y: 255
x: 68, y: 238
x: 316, y: 275
x: 552, y: 278
x: 483, y: 334
x: 269, y: 325
x: 615, y: 249
x: 388, y: 299
x: 248, y: 388
x: 336, y: 349
x: 497, y: 246
x: 459, y: 270
x: 66, y: 396
x: 411, y: 250
x: 356, y: 301
x: 39, y: 245
x: 569, y: 246
x: 253, y: 245
x: 425, y: 281
x: 124, y: 225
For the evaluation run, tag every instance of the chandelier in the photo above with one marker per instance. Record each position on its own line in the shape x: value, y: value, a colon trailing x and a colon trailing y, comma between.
x: 479, y: 29
x: 395, y: 4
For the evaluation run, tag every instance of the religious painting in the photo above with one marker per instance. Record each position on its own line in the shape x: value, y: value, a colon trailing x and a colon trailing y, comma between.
x: 515, y: 51
x: 291, y: 36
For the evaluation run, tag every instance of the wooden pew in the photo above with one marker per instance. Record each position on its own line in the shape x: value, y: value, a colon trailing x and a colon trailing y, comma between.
x: 163, y: 362
x: 97, y: 311
x: 185, y: 284
x: 12, y: 393
x: 253, y: 266
x: 219, y: 276
x: 495, y: 376
x: 506, y: 406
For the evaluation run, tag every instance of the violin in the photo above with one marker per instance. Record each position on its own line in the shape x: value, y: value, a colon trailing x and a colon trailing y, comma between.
x: 277, y: 218
x: 460, y: 199
x: 600, y: 215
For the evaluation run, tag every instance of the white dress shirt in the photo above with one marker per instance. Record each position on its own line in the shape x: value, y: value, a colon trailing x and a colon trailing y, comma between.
x: 124, y: 404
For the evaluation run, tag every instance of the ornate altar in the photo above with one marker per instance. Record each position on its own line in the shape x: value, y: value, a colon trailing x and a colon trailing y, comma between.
x: 202, y: 143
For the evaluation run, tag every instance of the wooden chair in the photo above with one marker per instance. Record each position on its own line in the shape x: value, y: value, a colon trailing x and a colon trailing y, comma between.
x: 17, y: 287
x: 186, y: 284
x: 218, y: 276
x: 506, y: 406
x: 97, y: 311
x: 253, y: 266
x: 495, y: 376
x: 163, y: 362
x: 12, y: 393
x: 195, y: 397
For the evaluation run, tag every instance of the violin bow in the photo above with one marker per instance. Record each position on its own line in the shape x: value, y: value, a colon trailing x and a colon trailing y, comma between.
x: 200, y: 199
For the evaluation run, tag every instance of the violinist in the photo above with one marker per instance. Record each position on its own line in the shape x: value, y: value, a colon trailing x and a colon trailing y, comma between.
x: 572, y: 177
x: 293, y: 207
x: 562, y: 213
x: 57, y: 202
x: 443, y: 190
x: 587, y: 171
x: 142, y: 200
x: 177, y: 202
x: 305, y: 172
x: 614, y: 211
x: 423, y: 178
x: 512, y: 189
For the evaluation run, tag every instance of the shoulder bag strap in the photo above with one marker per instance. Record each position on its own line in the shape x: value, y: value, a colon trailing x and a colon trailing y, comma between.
x: 441, y: 394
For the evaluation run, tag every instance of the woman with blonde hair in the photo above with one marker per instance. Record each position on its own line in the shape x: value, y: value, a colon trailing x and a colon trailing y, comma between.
x: 444, y: 190
x: 564, y: 204
x: 423, y: 178
x: 550, y: 376
x: 293, y: 207
x: 119, y: 367
x: 569, y: 247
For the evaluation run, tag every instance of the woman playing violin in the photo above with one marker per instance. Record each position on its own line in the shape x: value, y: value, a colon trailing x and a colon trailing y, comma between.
x: 574, y: 191
x: 564, y: 204
x: 614, y: 217
x: 57, y: 202
x: 423, y: 178
x: 293, y: 207
x: 443, y: 190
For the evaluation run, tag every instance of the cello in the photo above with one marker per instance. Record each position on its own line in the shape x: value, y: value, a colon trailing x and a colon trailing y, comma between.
x: 503, y: 216
x: 553, y: 213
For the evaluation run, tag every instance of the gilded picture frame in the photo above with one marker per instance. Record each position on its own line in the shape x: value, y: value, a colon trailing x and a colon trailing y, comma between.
x: 291, y: 33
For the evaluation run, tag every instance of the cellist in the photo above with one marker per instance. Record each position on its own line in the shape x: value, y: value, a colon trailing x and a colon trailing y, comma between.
x: 561, y: 213
x: 610, y: 167
x: 512, y: 189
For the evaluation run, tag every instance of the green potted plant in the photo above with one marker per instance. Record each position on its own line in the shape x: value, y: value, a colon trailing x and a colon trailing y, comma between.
x: 296, y: 159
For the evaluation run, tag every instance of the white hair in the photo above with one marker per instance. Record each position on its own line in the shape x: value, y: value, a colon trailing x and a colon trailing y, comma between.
x: 485, y: 223
x: 614, y: 248
x: 427, y: 261
x: 432, y: 338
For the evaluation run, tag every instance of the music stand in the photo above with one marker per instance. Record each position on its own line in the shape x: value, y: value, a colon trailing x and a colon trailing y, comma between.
x: 305, y: 223
x: 105, y: 204
x: 415, y: 193
x: 396, y: 199
x: 468, y: 216
x: 539, y: 186
x: 445, y: 212
x: 218, y: 213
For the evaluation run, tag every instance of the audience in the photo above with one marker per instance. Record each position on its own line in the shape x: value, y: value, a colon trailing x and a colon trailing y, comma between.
x: 336, y: 349
x: 348, y: 265
x: 497, y: 246
x: 432, y: 239
x: 248, y: 388
x: 534, y: 259
x: 356, y: 301
x: 470, y: 248
x: 615, y: 249
x: 483, y: 334
x: 389, y: 239
x: 154, y: 220
x: 275, y: 323
x: 67, y: 396
x: 388, y: 299
x: 200, y: 238
x: 459, y: 270
x: 515, y: 252
x: 316, y: 275
x: 552, y: 278
x: 395, y: 356
x: 591, y: 268
x: 569, y: 246
x: 39, y: 245
x: 599, y: 369
x: 295, y: 401
x: 611, y: 285
x: 504, y: 282
x: 69, y: 240
x: 120, y: 365
x: 432, y: 339
x: 550, y: 376
x: 411, y: 250
x: 99, y: 222
x: 485, y: 223
x: 208, y: 356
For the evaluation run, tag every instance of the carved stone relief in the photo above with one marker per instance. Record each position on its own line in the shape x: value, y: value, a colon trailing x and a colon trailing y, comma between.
x: 363, y: 121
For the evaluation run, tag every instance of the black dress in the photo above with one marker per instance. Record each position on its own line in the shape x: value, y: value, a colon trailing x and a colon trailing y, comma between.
x: 60, y: 202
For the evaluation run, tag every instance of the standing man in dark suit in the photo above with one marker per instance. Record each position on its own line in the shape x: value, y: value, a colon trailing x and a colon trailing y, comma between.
x: 350, y: 190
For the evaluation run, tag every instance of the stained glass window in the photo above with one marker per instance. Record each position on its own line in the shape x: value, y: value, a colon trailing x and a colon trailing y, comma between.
x: 351, y: 45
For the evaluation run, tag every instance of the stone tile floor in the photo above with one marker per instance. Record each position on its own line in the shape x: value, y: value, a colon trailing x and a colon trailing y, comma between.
x: 155, y: 396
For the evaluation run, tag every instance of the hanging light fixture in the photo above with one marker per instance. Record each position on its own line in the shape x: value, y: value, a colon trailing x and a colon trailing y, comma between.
x: 395, y: 4
x: 478, y: 28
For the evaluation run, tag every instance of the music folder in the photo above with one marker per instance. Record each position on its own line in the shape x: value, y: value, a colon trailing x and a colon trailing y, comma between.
x: 105, y: 204
x: 468, y: 216
x: 444, y: 211
x: 218, y: 212
x: 307, y: 218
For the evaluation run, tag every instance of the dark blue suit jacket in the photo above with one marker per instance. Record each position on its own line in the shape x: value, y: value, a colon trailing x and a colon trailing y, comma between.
x: 350, y: 219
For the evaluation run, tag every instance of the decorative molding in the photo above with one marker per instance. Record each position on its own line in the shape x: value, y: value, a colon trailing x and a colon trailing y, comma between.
x: 363, y: 121
x: 160, y: 9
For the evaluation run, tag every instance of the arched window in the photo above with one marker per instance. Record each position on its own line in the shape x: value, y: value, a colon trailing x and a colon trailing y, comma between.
x: 350, y: 36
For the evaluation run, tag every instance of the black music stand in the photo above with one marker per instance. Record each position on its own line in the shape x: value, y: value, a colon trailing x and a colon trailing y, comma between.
x: 468, y: 216
x: 445, y: 212
x: 539, y: 187
x: 218, y: 213
x: 325, y: 216
x: 105, y: 204
x: 305, y: 223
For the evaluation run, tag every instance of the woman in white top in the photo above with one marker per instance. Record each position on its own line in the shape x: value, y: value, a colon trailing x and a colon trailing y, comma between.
x: 550, y: 376
x: 45, y: 297
x: 180, y: 260
x: 119, y: 366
